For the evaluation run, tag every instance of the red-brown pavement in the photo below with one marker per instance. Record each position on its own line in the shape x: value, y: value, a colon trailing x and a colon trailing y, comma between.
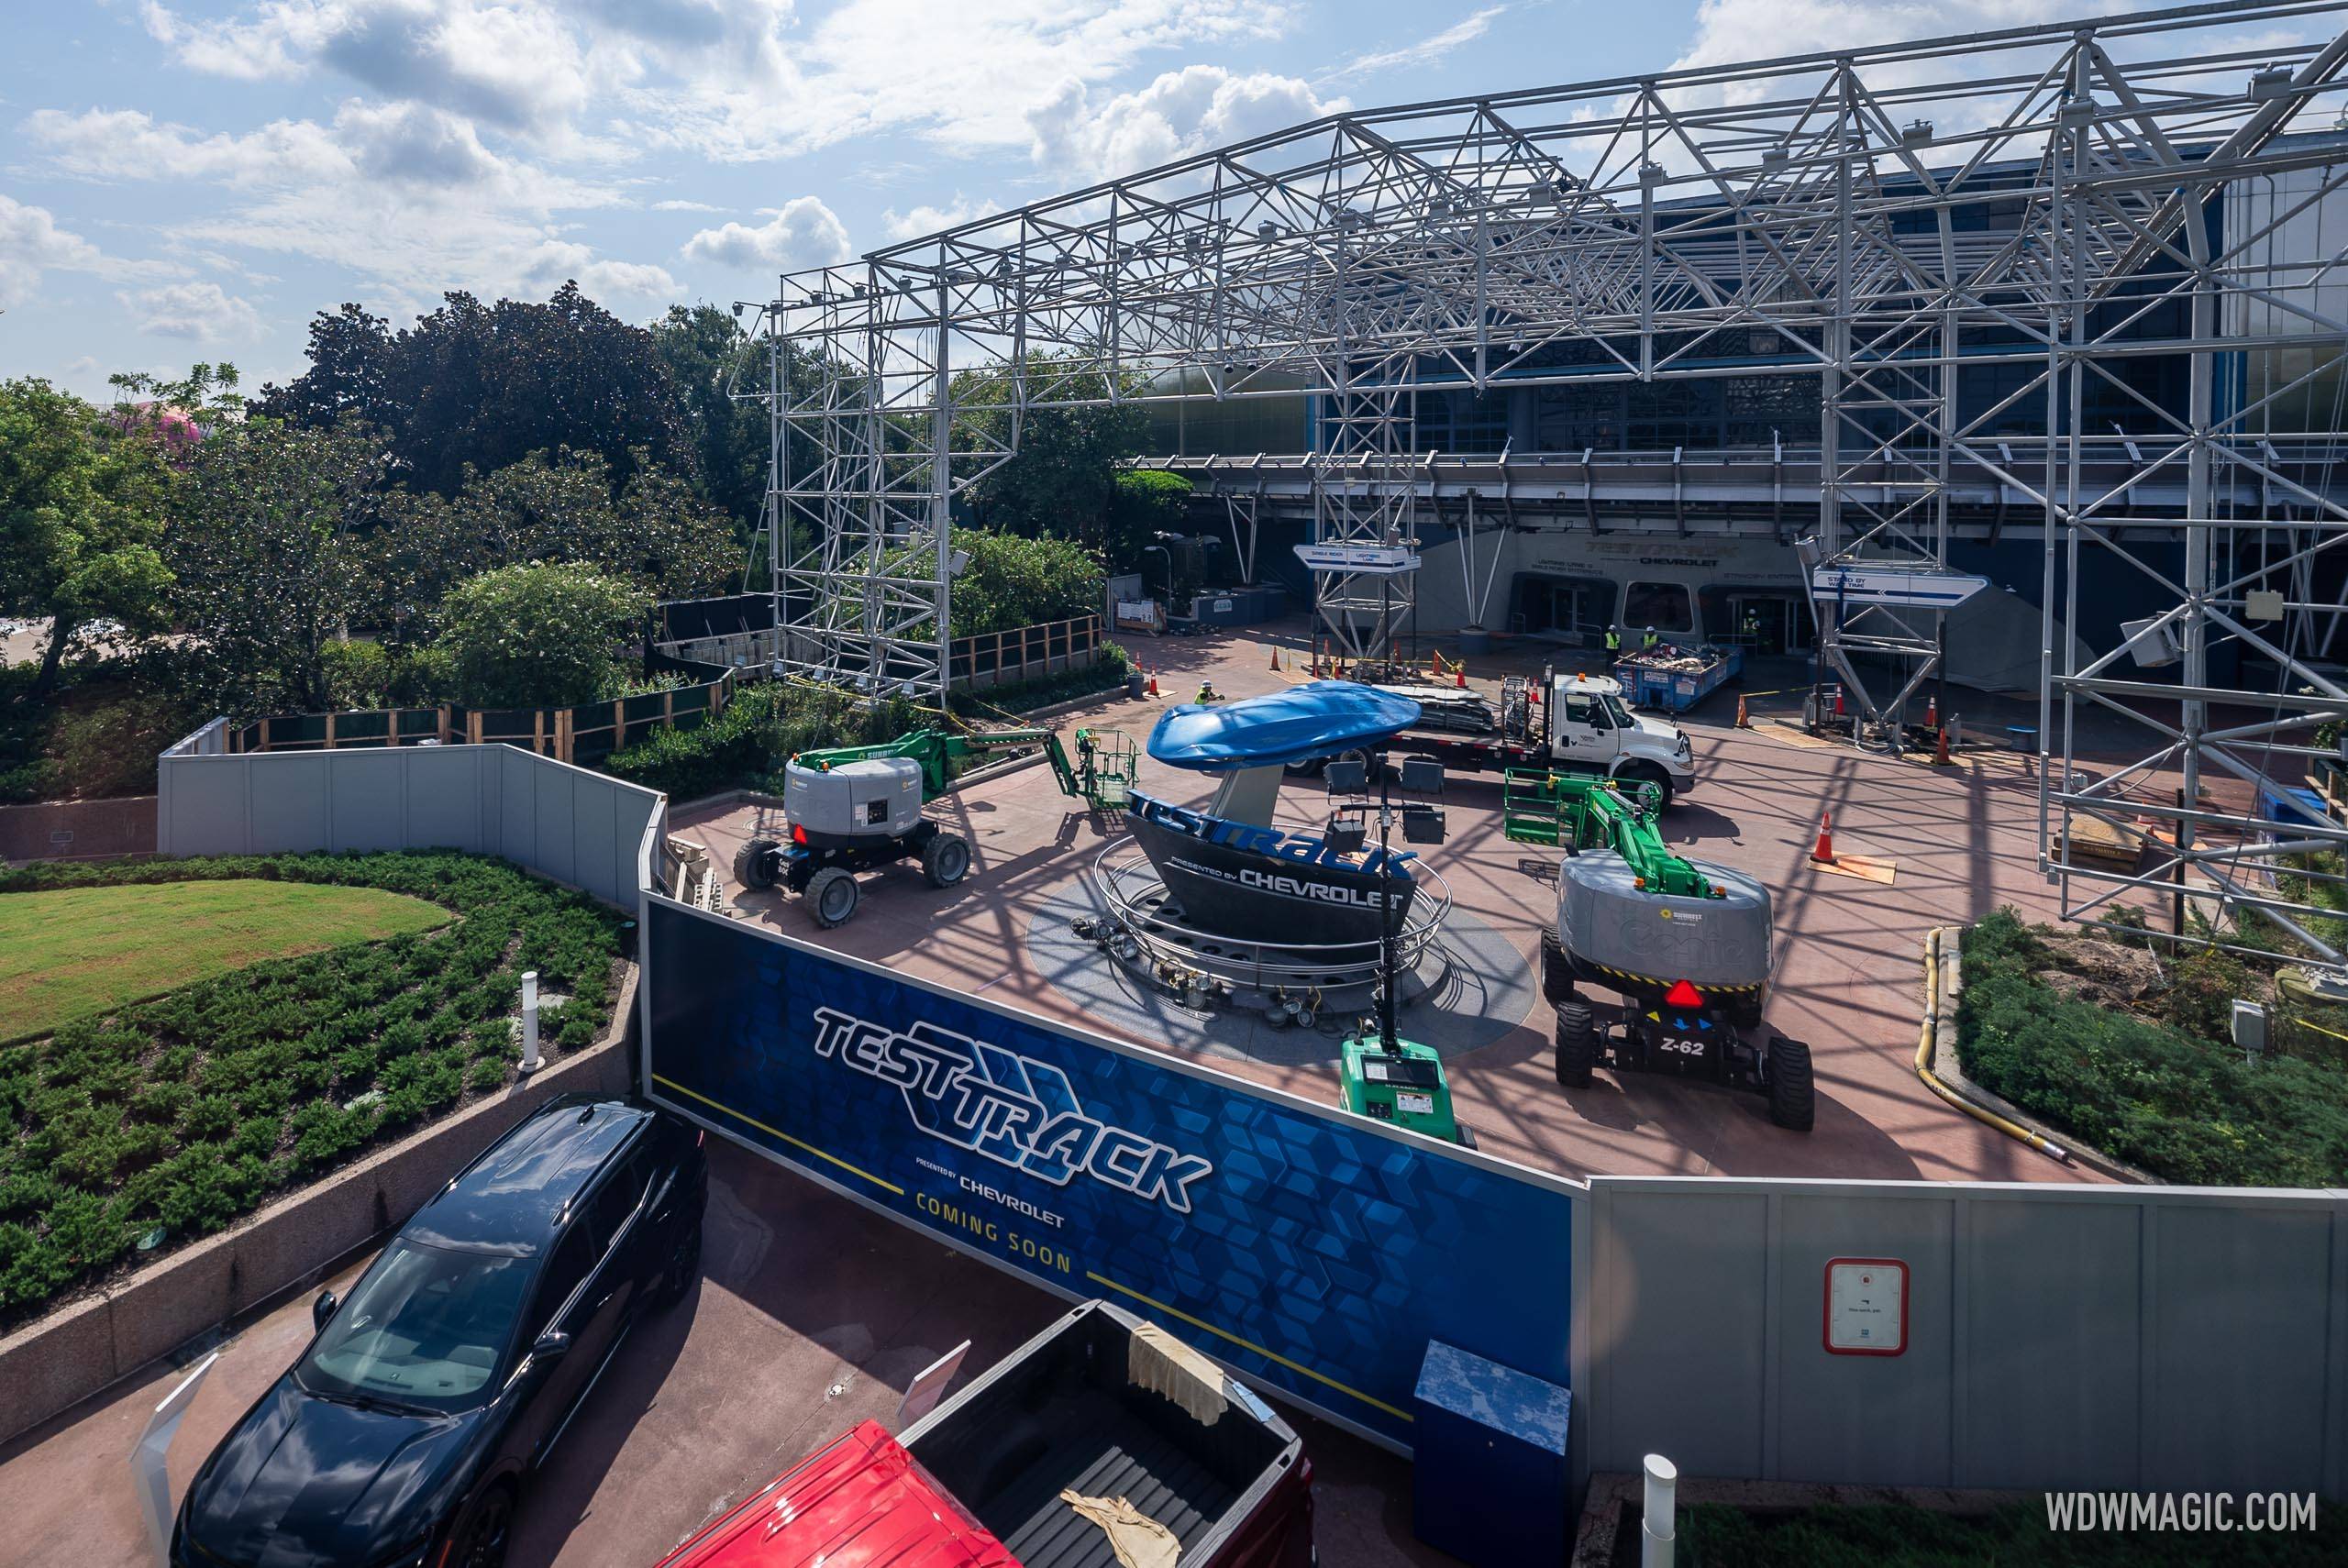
x: 812, y: 1314
x: 1849, y: 971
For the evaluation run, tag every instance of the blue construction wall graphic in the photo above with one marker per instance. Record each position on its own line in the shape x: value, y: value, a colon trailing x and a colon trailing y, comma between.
x: 1310, y: 1249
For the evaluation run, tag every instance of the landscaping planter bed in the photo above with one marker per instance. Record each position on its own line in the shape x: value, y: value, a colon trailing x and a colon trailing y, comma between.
x: 163, y: 1120
x: 2123, y: 1052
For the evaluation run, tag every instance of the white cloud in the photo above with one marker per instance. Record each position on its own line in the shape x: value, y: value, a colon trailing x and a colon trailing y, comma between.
x: 927, y: 219
x: 685, y: 207
x: 1428, y: 50
x: 519, y: 66
x: 1181, y: 113
x: 1728, y: 31
x: 128, y: 144
x: 202, y: 310
x: 408, y: 198
x: 31, y: 244
x: 803, y: 231
x: 728, y: 79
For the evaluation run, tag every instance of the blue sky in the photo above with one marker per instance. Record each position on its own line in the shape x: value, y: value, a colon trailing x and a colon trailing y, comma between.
x: 183, y: 181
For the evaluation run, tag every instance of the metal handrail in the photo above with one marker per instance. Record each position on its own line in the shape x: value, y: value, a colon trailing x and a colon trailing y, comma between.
x: 1125, y: 876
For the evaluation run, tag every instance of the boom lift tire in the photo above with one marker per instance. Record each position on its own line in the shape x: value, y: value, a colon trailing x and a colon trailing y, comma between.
x: 1557, y: 975
x: 946, y: 859
x: 1793, y: 1097
x: 831, y: 896
x: 752, y: 863
x: 1576, y: 1044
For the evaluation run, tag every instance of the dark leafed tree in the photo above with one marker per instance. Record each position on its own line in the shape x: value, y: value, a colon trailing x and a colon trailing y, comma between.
x: 267, y: 545
x: 657, y: 533
x: 480, y: 386
x: 722, y: 374
x: 1063, y: 481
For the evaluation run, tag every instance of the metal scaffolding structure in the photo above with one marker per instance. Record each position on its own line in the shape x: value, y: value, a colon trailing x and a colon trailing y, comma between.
x: 2046, y: 199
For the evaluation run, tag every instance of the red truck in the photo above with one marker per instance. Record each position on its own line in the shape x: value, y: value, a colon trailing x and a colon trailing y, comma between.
x: 1017, y: 1468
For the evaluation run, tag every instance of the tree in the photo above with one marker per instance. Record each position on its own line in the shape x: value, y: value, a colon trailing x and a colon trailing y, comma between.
x: 539, y: 635
x: 658, y: 533
x: 81, y: 517
x: 481, y: 386
x: 1148, y: 502
x: 1063, y: 481
x: 1012, y: 582
x: 710, y: 359
x: 267, y: 545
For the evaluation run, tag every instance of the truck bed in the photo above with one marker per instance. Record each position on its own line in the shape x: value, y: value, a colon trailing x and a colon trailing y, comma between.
x: 1106, y: 1450
x: 1065, y: 1413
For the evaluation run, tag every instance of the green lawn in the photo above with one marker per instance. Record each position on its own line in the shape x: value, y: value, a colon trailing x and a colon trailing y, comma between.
x: 140, y: 1125
x: 79, y: 951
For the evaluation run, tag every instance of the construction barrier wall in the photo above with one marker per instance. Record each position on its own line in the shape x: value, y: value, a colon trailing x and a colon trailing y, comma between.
x: 1313, y: 1252
x: 2044, y: 1337
x: 583, y: 828
x: 2066, y: 1338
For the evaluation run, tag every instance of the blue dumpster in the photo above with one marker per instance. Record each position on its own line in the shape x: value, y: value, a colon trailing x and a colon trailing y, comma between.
x: 1489, y: 1482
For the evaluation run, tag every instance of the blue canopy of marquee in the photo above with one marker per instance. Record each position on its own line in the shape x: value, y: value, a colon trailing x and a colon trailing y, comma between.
x: 1319, y: 718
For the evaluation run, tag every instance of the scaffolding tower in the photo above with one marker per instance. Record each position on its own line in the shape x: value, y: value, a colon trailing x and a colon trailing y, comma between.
x: 2062, y: 200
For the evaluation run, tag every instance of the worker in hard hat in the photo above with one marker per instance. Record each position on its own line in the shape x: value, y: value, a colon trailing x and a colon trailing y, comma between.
x: 1648, y: 642
x: 1613, y: 644
x: 1208, y: 695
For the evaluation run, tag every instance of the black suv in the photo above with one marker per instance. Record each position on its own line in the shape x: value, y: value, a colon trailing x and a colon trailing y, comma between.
x: 459, y: 1356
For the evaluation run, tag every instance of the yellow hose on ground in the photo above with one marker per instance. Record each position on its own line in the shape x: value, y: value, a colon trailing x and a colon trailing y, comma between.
x: 1980, y: 1113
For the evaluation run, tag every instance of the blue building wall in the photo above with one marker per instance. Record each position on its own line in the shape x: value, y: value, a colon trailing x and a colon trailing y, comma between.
x: 1315, y: 1251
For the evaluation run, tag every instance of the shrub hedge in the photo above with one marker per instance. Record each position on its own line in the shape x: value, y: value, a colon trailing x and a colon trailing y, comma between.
x: 181, y: 1114
x: 2186, y: 1107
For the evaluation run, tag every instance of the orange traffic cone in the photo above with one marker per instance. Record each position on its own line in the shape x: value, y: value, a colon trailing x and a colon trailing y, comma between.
x: 1462, y: 673
x: 1153, y: 683
x: 1932, y: 711
x: 1824, y: 852
x: 1940, y: 747
x: 1743, y: 722
x: 1276, y: 659
x: 1838, y: 701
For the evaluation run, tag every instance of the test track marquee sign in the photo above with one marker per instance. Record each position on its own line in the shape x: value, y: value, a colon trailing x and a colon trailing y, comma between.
x: 1311, y: 1249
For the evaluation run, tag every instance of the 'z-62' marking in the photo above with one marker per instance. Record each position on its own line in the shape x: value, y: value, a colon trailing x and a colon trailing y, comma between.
x: 1012, y: 1108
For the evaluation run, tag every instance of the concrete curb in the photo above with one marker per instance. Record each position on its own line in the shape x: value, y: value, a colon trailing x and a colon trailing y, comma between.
x: 51, y: 1364
x: 1947, y: 1067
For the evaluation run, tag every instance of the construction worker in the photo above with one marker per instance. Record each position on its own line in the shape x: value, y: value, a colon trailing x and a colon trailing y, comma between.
x: 1753, y: 628
x: 1613, y: 644
x: 1208, y: 696
x: 1647, y: 643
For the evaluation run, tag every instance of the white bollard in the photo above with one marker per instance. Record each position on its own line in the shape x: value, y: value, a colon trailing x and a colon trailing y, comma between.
x: 530, y: 1063
x: 1660, y: 1523
x: 148, y: 1474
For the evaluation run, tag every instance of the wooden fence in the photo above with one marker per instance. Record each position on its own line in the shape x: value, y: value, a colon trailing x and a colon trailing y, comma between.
x: 1025, y: 653
x: 590, y: 732
x: 584, y: 734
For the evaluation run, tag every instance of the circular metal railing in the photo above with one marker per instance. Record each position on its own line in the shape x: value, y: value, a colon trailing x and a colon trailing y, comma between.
x: 1135, y: 898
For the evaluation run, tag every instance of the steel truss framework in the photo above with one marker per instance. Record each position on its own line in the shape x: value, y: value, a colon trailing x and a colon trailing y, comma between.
x: 2044, y: 199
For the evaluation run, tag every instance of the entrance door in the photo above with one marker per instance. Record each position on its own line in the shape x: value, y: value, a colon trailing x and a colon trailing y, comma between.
x: 1770, y: 622
x: 1570, y: 608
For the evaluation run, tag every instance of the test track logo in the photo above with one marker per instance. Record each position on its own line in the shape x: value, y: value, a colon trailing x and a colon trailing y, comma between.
x: 1011, y: 1108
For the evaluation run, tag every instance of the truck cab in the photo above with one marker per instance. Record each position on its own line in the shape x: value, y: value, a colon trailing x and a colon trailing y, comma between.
x: 1589, y: 728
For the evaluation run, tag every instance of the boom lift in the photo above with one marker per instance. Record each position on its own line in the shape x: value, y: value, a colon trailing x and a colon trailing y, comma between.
x: 1685, y: 944
x: 852, y: 808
